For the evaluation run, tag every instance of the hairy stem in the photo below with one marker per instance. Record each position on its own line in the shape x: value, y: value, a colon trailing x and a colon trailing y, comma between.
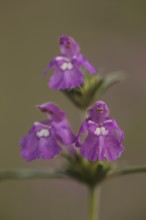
x: 94, y: 200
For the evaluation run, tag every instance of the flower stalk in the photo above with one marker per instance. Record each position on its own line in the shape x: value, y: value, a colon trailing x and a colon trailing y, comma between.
x: 94, y: 202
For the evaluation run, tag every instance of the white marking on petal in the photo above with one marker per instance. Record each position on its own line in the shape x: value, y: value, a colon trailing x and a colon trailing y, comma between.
x: 66, y: 66
x: 97, y: 131
x: 70, y: 66
x: 36, y: 123
x: 91, y: 123
x: 101, y: 131
x: 42, y: 133
x: 107, y: 121
x: 59, y: 58
x: 107, y: 132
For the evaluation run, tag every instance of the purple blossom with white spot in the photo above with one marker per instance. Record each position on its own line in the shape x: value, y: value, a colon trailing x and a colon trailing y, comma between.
x: 67, y: 66
x: 104, y: 137
x: 45, y: 138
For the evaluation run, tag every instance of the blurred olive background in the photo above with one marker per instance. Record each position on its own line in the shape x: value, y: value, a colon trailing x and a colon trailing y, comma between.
x: 112, y: 35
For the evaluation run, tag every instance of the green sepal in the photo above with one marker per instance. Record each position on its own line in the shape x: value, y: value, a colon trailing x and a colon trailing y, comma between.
x: 94, y: 86
x: 87, y: 172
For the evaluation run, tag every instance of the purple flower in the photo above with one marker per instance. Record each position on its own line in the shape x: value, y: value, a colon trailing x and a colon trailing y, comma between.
x: 53, y: 112
x: 104, y: 137
x: 67, y: 65
x: 45, y: 138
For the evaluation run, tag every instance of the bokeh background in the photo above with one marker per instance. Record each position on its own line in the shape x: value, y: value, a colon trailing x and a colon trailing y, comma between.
x: 112, y: 35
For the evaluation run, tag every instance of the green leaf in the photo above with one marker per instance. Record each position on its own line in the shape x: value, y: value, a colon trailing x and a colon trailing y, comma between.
x: 18, y: 174
x: 127, y: 171
x: 109, y: 80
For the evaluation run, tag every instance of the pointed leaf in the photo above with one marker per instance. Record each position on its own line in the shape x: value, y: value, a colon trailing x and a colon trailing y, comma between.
x: 18, y: 174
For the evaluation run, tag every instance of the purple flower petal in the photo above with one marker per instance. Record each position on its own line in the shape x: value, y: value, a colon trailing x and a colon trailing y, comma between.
x: 82, y: 131
x: 98, y: 112
x: 90, y: 148
x: 82, y: 61
x: 49, y: 66
x: 68, y: 46
x: 53, y: 111
x: 101, y: 148
x: 113, y: 149
x: 39, y: 143
x: 66, y: 79
x: 119, y: 132
x: 63, y: 132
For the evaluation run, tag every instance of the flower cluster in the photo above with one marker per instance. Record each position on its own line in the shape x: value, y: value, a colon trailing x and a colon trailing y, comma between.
x: 99, y: 138
x: 103, y: 141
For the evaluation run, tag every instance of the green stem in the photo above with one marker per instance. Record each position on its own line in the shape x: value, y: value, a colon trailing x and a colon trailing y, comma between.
x: 82, y: 115
x: 19, y: 174
x: 94, y: 200
x: 127, y: 170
